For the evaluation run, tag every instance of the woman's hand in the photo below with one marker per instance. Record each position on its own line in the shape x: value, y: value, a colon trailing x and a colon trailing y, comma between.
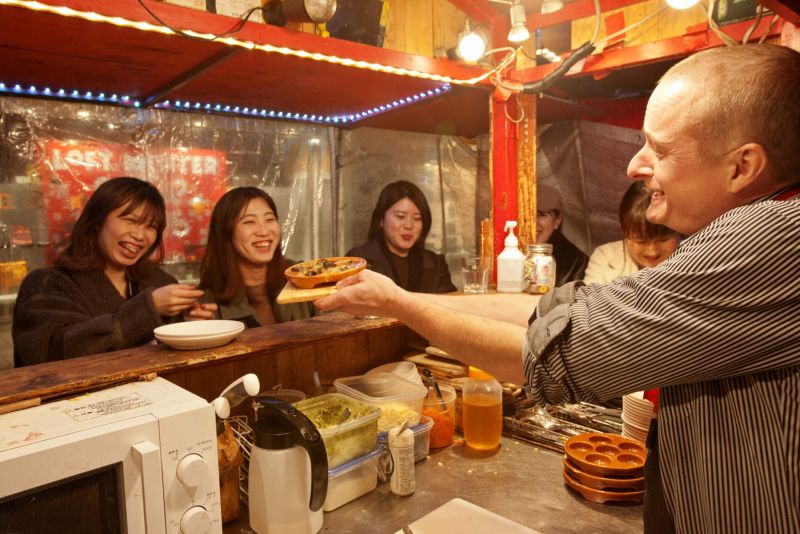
x: 201, y: 312
x: 172, y: 299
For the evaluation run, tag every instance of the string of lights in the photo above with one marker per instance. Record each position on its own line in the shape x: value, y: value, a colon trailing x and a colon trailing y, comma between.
x: 76, y: 95
x: 250, y: 45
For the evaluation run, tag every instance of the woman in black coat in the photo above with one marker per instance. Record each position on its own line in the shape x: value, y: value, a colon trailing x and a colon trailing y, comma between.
x: 106, y: 291
x: 399, y: 226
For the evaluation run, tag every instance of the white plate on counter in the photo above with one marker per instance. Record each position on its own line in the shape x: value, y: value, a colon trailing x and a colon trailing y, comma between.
x: 199, y: 334
x: 464, y: 517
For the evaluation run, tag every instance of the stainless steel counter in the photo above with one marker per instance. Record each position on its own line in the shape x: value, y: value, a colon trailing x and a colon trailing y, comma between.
x: 519, y: 481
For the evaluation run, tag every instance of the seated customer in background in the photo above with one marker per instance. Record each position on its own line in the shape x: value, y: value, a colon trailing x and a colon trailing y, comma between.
x: 570, y: 261
x: 644, y: 244
x: 242, y: 270
x: 396, y: 247
x: 106, y: 291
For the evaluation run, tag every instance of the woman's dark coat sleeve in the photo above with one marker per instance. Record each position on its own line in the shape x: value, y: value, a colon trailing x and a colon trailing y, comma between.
x: 55, y: 317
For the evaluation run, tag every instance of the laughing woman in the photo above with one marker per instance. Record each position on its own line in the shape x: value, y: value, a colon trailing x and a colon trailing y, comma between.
x: 105, y: 291
x: 396, y: 247
x: 242, y: 271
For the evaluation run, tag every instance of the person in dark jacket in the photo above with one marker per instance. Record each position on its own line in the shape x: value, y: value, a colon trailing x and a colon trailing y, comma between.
x: 242, y: 271
x: 105, y: 291
x: 399, y: 226
x: 570, y: 261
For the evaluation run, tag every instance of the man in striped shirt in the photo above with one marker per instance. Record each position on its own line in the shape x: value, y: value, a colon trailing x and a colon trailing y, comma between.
x: 716, y: 326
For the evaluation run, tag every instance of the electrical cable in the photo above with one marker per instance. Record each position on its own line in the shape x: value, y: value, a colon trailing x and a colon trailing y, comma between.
x: 639, y: 22
x: 769, y: 28
x: 234, y: 29
x: 727, y: 39
x: 579, y: 53
x: 754, y: 25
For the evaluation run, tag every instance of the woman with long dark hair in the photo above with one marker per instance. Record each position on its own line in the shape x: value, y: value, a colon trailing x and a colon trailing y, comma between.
x: 399, y: 226
x: 242, y: 270
x: 106, y: 291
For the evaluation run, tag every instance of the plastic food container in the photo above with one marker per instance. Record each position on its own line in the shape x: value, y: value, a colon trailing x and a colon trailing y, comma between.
x: 352, y: 480
x: 422, y: 433
x: 402, y: 369
x: 343, y: 441
x: 398, y: 399
x: 443, y: 414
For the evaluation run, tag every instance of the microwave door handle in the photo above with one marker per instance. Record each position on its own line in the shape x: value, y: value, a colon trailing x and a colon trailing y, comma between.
x: 148, y: 456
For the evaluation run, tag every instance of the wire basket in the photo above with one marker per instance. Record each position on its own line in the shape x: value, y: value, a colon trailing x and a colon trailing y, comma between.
x: 243, y: 434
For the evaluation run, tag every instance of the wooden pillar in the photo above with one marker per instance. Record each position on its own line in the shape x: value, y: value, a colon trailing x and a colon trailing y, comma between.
x: 526, y: 169
x: 503, y: 169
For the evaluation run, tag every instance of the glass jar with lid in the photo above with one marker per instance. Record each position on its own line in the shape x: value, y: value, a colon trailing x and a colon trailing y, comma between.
x: 539, y: 269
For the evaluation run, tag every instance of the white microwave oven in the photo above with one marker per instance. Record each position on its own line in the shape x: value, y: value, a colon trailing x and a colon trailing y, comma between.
x: 136, y: 458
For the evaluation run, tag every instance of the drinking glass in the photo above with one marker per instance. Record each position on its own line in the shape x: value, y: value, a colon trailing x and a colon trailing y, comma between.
x: 475, y: 274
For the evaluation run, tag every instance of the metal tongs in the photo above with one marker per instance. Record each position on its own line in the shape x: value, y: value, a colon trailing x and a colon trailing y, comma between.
x: 435, y: 385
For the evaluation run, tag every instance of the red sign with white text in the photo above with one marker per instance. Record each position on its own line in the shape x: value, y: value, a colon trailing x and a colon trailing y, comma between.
x: 191, y: 181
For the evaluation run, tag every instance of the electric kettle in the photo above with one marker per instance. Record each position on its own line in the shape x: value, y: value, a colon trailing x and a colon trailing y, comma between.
x: 288, y: 472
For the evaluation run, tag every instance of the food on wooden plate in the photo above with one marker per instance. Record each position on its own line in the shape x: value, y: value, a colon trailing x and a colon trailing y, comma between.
x: 314, y: 272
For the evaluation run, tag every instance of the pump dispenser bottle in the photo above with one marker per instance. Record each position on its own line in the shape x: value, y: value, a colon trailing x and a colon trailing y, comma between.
x: 510, y: 263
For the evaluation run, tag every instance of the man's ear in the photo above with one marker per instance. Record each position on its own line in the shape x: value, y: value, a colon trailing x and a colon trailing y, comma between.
x: 749, y: 163
x: 557, y: 220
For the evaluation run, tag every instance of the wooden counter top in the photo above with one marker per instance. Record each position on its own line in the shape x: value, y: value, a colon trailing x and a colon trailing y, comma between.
x: 336, y: 344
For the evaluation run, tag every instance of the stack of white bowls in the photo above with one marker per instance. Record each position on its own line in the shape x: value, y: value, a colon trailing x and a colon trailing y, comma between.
x: 636, y: 414
x: 402, y: 369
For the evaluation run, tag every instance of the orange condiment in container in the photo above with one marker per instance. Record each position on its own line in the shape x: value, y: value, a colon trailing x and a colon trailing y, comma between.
x: 442, y: 412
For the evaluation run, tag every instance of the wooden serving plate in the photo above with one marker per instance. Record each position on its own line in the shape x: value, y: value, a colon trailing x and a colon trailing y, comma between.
x: 290, y: 293
x: 312, y: 273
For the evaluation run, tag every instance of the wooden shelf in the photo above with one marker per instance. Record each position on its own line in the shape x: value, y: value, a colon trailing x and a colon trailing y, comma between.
x: 63, y: 50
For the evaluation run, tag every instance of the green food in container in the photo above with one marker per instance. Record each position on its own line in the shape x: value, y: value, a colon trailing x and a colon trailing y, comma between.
x: 346, y: 440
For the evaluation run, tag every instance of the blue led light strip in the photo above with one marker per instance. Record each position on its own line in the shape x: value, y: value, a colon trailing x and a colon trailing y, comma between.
x: 179, y: 105
x: 63, y: 94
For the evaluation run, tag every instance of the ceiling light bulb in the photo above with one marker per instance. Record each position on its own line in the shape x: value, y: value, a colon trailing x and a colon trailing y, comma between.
x: 681, y: 4
x: 471, y: 47
x: 551, y: 6
x: 518, y: 32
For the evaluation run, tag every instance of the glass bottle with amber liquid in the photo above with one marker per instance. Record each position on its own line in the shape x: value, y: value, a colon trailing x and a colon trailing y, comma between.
x: 482, y: 410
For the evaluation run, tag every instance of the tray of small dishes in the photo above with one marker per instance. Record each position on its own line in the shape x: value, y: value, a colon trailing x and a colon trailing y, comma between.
x: 605, y: 467
x: 315, y: 279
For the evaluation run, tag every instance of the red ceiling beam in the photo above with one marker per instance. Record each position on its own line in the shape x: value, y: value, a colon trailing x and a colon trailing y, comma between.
x: 788, y: 9
x: 184, y: 18
x: 675, y: 47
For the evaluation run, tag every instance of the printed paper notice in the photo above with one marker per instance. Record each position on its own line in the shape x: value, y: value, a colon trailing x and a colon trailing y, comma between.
x: 106, y: 407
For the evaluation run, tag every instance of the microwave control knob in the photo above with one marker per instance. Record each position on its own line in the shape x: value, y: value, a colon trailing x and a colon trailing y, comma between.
x: 196, y: 520
x: 192, y: 470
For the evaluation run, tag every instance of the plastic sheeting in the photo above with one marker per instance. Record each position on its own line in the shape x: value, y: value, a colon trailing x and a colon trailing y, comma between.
x: 587, y: 163
x: 451, y: 173
x: 57, y: 154
x: 54, y: 154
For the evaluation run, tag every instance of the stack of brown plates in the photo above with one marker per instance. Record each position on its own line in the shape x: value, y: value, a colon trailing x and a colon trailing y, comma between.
x: 605, y: 467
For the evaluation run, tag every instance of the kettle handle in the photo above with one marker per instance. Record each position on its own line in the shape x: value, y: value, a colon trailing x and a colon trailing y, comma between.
x: 307, y: 436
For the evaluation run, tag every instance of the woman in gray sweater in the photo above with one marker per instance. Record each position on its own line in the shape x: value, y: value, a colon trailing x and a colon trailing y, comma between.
x: 105, y: 291
x: 243, y: 268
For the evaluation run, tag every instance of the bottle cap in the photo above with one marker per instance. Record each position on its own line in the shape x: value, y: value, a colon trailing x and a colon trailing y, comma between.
x: 544, y: 248
x: 479, y: 374
x: 511, y: 239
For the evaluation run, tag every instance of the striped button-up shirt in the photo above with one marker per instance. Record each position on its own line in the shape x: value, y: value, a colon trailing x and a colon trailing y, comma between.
x: 717, y: 328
